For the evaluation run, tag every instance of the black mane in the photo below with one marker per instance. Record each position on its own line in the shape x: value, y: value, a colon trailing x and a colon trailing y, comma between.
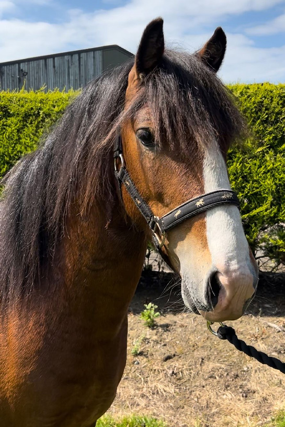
x: 190, y: 107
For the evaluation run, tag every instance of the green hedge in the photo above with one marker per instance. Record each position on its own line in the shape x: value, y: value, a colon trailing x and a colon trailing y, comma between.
x: 24, y: 117
x: 257, y: 168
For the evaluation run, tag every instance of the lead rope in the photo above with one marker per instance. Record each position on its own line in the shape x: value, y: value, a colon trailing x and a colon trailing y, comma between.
x: 228, y: 333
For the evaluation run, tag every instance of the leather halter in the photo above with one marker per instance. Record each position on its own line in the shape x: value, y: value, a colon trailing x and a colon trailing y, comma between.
x: 189, y: 209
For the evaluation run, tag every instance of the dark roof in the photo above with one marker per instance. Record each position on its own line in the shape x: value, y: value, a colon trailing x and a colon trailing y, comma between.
x: 72, y: 52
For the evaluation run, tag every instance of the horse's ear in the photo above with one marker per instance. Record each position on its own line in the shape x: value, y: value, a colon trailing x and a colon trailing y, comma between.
x: 151, y: 48
x: 212, y: 54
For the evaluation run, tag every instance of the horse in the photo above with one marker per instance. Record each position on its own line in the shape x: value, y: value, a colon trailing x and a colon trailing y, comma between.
x: 140, y: 155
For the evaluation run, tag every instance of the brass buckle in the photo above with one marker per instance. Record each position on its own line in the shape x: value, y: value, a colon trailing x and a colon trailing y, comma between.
x: 157, y: 232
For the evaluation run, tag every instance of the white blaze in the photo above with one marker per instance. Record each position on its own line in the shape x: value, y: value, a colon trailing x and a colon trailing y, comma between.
x: 226, y: 240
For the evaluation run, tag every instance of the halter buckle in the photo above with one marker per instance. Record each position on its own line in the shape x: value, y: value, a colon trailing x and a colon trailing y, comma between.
x: 119, y: 163
x: 157, y: 232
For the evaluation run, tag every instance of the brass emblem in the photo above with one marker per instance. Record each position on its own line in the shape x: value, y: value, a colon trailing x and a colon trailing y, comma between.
x: 200, y: 203
x: 177, y: 213
x: 227, y: 196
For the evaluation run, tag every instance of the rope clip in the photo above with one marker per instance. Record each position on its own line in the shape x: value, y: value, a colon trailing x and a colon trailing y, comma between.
x: 209, y: 326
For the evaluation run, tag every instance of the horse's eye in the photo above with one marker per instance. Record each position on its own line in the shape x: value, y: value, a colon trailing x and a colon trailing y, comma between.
x: 146, y: 137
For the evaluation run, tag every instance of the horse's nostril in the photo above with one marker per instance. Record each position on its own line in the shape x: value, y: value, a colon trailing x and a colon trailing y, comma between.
x: 214, y: 287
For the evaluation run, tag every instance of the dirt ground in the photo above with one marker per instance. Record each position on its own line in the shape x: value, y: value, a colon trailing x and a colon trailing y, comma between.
x: 184, y: 375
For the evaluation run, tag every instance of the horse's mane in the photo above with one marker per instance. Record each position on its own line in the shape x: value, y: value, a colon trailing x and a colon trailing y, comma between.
x: 190, y: 107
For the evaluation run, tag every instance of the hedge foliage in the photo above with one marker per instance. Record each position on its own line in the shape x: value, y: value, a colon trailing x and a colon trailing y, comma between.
x: 24, y: 117
x: 256, y: 168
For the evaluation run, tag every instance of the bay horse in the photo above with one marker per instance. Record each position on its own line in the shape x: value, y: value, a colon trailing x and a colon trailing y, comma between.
x: 139, y: 154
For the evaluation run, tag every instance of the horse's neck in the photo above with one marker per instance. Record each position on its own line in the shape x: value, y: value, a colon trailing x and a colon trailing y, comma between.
x: 104, y: 257
x: 79, y: 328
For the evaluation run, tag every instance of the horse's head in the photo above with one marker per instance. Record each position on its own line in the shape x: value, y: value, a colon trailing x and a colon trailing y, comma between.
x: 179, y: 125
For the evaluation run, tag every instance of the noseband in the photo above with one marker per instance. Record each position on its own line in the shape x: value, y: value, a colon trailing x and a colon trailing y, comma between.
x: 189, y: 209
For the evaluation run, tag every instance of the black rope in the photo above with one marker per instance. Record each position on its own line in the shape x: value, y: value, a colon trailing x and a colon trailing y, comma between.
x: 227, y: 333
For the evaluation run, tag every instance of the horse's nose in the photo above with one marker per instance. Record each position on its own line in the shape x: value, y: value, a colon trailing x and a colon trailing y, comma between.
x: 228, y: 292
x: 213, y: 289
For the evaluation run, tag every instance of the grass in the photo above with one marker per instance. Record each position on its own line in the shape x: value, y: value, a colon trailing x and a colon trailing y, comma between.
x: 138, y: 421
x: 133, y: 421
x: 150, y: 314
x: 278, y: 421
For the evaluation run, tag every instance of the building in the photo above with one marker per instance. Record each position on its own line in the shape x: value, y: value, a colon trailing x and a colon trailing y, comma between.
x: 68, y: 70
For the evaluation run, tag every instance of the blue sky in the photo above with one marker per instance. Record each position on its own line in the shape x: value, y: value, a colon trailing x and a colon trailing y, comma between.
x: 255, y: 29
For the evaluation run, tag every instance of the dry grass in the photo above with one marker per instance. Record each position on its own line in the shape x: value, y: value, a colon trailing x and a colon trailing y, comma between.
x: 189, y: 378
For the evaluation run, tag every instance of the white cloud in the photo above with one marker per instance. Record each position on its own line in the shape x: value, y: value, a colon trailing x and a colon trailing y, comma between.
x: 275, y: 26
x: 19, y: 39
x: 6, y: 6
x: 38, y: 2
x: 186, y: 25
x: 244, y: 62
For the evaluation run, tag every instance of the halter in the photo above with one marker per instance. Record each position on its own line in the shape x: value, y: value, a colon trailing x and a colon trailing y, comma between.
x: 159, y: 226
x: 189, y: 209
